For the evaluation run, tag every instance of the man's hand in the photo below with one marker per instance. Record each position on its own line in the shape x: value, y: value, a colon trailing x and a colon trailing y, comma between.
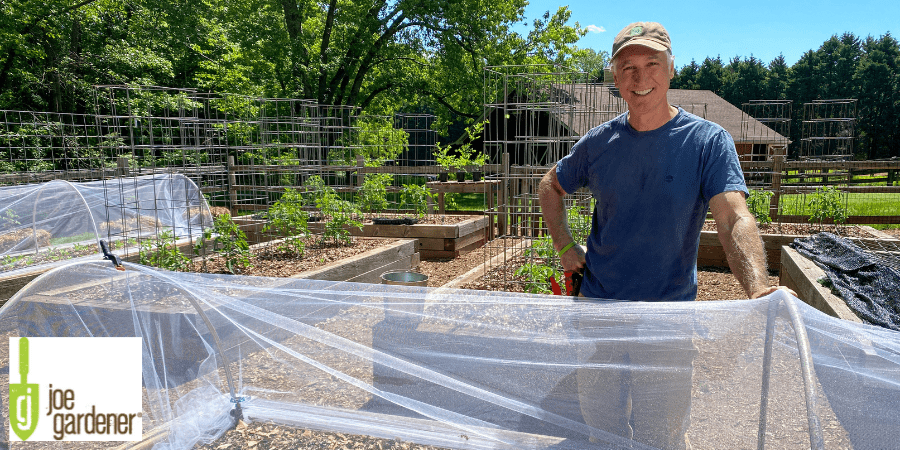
x: 573, y: 259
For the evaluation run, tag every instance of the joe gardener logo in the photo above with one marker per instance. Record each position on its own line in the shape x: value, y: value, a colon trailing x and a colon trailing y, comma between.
x: 75, y: 389
x: 23, y: 397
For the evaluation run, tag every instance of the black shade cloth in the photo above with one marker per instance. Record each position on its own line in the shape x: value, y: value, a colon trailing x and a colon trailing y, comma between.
x: 870, y: 289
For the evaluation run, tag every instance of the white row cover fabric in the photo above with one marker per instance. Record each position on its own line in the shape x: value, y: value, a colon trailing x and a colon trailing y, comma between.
x: 476, y: 369
x: 35, y: 216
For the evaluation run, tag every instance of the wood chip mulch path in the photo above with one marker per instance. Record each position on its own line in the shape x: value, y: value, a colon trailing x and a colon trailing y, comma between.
x: 270, y: 436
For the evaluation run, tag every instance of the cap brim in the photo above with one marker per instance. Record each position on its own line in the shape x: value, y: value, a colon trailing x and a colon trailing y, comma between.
x: 655, y: 45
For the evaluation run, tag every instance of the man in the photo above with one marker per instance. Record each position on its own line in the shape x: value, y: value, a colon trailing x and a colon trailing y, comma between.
x: 654, y: 172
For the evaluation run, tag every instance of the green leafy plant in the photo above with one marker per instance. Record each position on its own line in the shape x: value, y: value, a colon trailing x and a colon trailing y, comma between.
x: 287, y: 218
x: 827, y: 203
x: 339, y: 214
x: 416, y: 197
x: 379, y: 141
x: 230, y: 242
x: 758, y: 204
x: 10, y: 219
x: 163, y: 252
x: 372, y: 194
x: 536, y: 276
x: 541, y: 266
x: 464, y: 156
x: 579, y: 223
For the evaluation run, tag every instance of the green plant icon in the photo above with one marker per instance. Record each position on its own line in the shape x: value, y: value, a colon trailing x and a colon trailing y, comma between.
x: 23, y: 398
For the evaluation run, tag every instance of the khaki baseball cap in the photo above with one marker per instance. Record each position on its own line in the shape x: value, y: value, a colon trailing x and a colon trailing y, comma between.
x: 648, y: 34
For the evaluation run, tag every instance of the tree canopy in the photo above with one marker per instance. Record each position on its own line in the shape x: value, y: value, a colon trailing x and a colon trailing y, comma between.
x: 379, y: 55
x: 382, y: 56
x: 844, y: 67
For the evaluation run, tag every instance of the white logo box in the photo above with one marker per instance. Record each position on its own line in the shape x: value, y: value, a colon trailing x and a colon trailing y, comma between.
x: 90, y: 377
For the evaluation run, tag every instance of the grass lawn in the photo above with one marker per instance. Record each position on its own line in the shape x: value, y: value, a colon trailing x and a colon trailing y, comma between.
x: 858, y: 204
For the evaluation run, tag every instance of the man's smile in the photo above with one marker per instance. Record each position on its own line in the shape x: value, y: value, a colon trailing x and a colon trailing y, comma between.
x: 645, y: 92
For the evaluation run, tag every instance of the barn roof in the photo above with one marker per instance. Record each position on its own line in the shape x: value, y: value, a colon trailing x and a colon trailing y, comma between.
x: 594, y: 104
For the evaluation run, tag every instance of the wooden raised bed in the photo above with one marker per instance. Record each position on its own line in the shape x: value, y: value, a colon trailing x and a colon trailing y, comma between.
x: 803, y: 275
x: 434, y: 241
x: 363, y: 268
x: 711, y: 252
x: 367, y: 267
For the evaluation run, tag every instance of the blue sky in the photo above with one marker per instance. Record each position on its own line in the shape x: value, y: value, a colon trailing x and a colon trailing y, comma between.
x: 762, y: 28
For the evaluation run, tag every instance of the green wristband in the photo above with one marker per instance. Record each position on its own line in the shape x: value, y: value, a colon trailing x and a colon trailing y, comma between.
x: 566, y: 248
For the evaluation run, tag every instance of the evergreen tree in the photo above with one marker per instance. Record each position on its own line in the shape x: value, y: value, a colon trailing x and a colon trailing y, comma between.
x: 711, y: 75
x: 777, y: 79
x: 877, y: 83
x: 686, y: 77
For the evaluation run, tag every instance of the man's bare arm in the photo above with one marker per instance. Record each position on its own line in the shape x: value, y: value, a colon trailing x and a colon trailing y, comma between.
x: 553, y: 209
x: 743, y: 247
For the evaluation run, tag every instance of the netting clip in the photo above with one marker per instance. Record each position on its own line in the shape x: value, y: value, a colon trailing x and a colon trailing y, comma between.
x: 117, y: 262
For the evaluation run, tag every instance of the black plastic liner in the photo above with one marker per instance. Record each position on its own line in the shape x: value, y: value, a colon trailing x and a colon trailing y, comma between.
x: 870, y: 289
x: 394, y: 221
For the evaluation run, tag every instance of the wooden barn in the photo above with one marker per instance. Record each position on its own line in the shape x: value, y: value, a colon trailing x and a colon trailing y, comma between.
x: 541, y: 132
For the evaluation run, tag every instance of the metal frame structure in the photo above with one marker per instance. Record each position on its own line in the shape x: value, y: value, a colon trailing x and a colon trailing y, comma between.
x: 828, y: 129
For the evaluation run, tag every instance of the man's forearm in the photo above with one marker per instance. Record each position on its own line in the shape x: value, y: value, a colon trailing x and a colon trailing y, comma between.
x: 553, y: 210
x: 745, y: 254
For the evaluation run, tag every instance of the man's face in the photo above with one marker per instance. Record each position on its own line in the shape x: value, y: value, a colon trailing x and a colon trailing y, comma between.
x: 642, y: 76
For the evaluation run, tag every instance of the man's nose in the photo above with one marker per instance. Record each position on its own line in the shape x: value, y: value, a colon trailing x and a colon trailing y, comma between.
x: 637, y: 75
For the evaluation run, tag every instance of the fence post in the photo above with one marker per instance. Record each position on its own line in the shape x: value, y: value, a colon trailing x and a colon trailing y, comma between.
x: 504, y: 200
x: 360, y: 163
x: 232, y: 190
x: 777, y: 172
x: 121, y: 167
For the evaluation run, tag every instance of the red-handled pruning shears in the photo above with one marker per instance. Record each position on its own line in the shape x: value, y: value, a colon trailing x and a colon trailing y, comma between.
x: 573, y: 284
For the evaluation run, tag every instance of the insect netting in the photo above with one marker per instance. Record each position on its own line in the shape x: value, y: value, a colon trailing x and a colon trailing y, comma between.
x: 474, y: 369
x: 57, y: 215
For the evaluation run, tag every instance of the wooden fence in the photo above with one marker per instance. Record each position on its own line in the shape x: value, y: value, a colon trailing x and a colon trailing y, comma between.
x: 803, y: 177
x: 518, y: 210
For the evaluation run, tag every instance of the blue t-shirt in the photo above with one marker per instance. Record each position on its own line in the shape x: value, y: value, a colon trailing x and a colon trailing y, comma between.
x: 652, y: 192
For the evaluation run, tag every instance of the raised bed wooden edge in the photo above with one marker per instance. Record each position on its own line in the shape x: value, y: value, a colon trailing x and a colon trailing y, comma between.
x: 367, y: 267
x: 711, y: 252
x: 434, y: 241
x: 802, y: 275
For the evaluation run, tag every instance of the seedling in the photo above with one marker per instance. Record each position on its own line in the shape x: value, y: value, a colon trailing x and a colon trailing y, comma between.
x: 827, y: 203
x: 416, y: 197
x: 373, y: 193
x: 287, y: 218
x: 341, y: 214
x: 230, y: 241
x: 465, y: 155
x: 163, y: 252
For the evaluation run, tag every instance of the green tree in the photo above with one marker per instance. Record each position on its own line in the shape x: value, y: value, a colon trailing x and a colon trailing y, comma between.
x: 877, y: 79
x: 777, y: 79
x: 590, y: 61
x: 838, y: 58
x: 744, y: 80
x: 686, y: 77
x: 711, y: 75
